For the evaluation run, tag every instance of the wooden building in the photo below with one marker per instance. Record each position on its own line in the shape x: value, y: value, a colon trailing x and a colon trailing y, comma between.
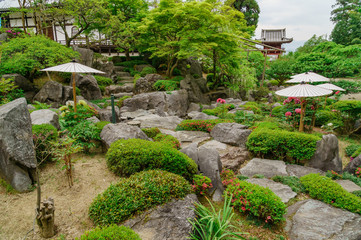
x: 10, y: 19
x: 274, y: 38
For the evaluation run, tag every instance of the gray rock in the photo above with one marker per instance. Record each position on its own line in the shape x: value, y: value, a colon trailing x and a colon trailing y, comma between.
x: 122, y: 94
x: 193, y: 107
x: 210, y: 165
x: 45, y: 116
x: 299, y: 171
x: 108, y: 68
x: 327, y: 156
x: 31, y: 107
x: 281, y: 190
x: 348, y: 185
x: 88, y: 86
x: 177, y: 103
x: 234, y: 157
x: 276, y: 105
x: 93, y: 119
x: 190, y: 136
x: 231, y: 133
x: 353, y: 165
x: 314, y: 220
x: 191, y: 151
x: 200, y: 116
x: 20, y: 81
x: 135, y: 114
x: 214, y: 144
x: 153, y: 120
x: 113, y: 132
x: 3, y: 37
x: 86, y: 55
x: 190, y: 67
x: 268, y: 168
x: 166, y: 222
x: 196, y: 88
x: 107, y: 115
x: 17, y: 156
x: 235, y: 102
x: 54, y: 93
x: 146, y: 83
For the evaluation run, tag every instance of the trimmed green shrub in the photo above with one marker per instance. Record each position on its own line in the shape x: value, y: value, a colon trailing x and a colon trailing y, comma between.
x: 200, y: 125
x: 167, y: 139
x: 255, y: 200
x: 43, y: 136
x: 166, y: 85
x: 356, y: 153
x: 268, y: 125
x: 100, y: 125
x: 217, y: 111
x: 147, y: 70
x: 279, y: 111
x: 351, y: 149
x: 246, y: 118
x: 103, y: 81
x: 273, y: 82
x: 177, y: 79
x: 126, y: 157
x: 121, y: 100
x: 293, y: 182
x: 357, y: 193
x: 131, y: 64
x: 112, y: 232
x: 284, y: 145
x: 330, y: 192
x: 323, y: 117
x: 151, y: 132
x: 136, y: 194
x: 252, y: 106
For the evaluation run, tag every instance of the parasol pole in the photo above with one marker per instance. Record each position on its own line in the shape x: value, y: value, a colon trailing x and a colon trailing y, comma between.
x: 74, y: 91
x: 302, y: 114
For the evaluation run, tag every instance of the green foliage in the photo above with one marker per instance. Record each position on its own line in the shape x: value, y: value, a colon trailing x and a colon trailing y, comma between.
x: 177, y: 79
x: 100, y: 125
x: 39, y: 105
x: 268, y: 125
x: 43, y: 137
x: 246, y: 118
x: 200, y: 125
x: 27, y: 55
x: 151, y: 132
x: 252, y: 106
x: 121, y: 100
x: 257, y: 201
x: 351, y: 149
x: 103, y: 82
x: 356, y: 153
x: 8, y: 188
x: 292, y: 182
x: 201, y: 184
x: 136, y: 194
x: 126, y: 157
x: 330, y: 192
x: 357, y: 193
x: 281, y: 69
x: 147, y: 70
x: 8, y: 90
x: 131, y: 64
x: 112, y: 232
x: 167, y: 139
x: 250, y: 9
x: 69, y: 118
x: 311, y: 43
x: 349, y: 85
x: 350, y: 111
x: 85, y: 134
x: 211, y: 225
x: 345, y: 176
x: 280, y: 144
x: 324, y: 116
x: 166, y: 85
x: 279, y: 111
x: 219, y: 110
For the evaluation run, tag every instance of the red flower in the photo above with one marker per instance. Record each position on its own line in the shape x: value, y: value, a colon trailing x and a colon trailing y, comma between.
x: 337, y: 92
x: 298, y: 110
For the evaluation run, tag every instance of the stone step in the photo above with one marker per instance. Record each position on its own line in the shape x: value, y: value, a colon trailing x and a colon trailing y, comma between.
x: 119, y: 68
x: 122, y: 74
x: 121, y: 79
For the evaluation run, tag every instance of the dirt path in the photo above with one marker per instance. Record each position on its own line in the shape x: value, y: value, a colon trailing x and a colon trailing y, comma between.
x: 91, y: 177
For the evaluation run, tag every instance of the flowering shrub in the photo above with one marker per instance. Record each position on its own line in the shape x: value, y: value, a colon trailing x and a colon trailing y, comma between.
x: 330, y: 192
x: 126, y: 157
x: 358, y: 172
x: 288, y: 114
x: 257, y: 201
x: 136, y: 194
x: 201, y: 184
x: 200, y: 125
x: 70, y: 118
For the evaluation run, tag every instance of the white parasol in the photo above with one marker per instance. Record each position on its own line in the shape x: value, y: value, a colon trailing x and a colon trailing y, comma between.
x: 303, y: 90
x: 308, y: 77
x: 330, y: 87
x: 72, y: 67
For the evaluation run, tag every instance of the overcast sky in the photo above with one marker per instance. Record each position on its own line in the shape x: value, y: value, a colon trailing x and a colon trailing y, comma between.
x: 301, y: 18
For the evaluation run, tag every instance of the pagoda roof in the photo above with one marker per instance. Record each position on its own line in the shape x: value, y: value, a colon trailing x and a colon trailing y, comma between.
x: 274, y: 36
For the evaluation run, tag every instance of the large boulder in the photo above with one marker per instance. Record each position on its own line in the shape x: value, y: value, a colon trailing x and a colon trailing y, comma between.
x: 353, y: 165
x: 17, y: 155
x: 88, y: 86
x: 114, y: 132
x: 3, y: 37
x: 190, y: 67
x: 191, y: 151
x: 200, y: 116
x: 300, y: 171
x: 268, y: 168
x: 45, y: 116
x: 314, y: 220
x: 154, y: 120
x: 145, y: 84
x: 54, y: 93
x: 231, y: 133
x: 174, y: 103
x: 86, y: 55
x: 209, y: 163
x: 196, y: 88
x: 234, y: 157
x: 166, y: 222
x: 327, y: 155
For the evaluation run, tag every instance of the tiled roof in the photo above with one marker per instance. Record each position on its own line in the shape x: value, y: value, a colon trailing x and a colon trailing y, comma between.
x: 274, y: 35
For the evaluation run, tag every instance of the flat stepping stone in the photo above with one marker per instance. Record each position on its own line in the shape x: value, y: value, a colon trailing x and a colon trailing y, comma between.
x: 299, y: 171
x: 348, y: 185
x: 314, y: 220
x: 214, y: 144
x: 281, y: 190
x: 265, y: 167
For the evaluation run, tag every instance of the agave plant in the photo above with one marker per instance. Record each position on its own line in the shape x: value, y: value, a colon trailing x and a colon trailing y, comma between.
x: 211, y: 225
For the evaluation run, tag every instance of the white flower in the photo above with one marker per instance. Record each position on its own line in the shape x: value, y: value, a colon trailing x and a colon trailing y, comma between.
x: 329, y: 124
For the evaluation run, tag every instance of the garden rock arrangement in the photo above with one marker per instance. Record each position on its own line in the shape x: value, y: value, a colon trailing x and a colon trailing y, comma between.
x: 17, y: 156
x: 169, y: 221
x: 154, y: 120
x: 88, y: 86
x: 353, y: 165
x: 54, y: 93
x: 45, y: 116
x: 231, y: 133
x: 311, y: 219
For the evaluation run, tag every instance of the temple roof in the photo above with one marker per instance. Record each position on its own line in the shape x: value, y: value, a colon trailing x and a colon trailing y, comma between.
x: 274, y: 36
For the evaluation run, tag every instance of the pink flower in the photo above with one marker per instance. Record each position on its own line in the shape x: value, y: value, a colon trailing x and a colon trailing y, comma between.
x: 298, y: 110
x: 334, y: 110
x: 243, y: 209
x: 297, y: 101
x: 337, y: 92
x: 221, y: 101
x: 288, y: 114
x: 312, y: 107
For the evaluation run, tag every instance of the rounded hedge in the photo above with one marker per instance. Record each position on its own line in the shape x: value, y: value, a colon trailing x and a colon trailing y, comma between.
x: 167, y: 139
x: 136, y: 194
x: 151, y: 132
x: 112, y: 232
x: 126, y: 157
x: 323, y: 117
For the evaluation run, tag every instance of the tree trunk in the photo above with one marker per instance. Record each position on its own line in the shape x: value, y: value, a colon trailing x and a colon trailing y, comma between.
x: 214, y: 64
x: 172, y: 69
x: 127, y: 56
x: 45, y: 218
